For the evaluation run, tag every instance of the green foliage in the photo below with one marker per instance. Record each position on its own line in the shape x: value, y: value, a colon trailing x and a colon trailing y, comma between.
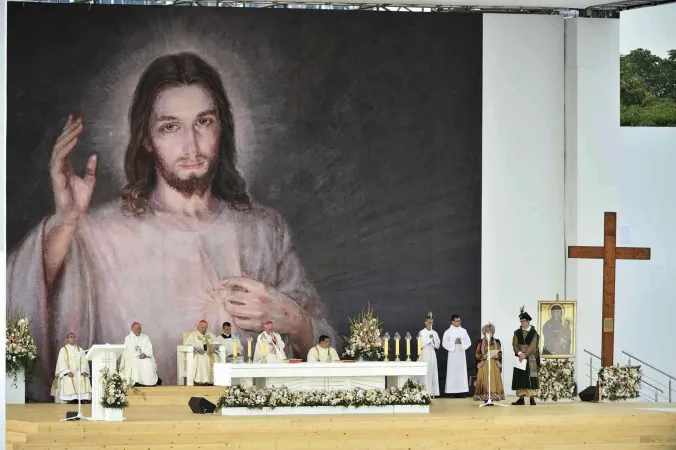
x: 648, y: 89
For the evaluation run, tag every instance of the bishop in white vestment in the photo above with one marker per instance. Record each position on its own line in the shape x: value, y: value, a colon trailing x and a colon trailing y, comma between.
x: 269, y: 346
x: 137, y: 362
x: 72, y: 374
x: 226, y: 344
x: 322, y: 352
x: 456, y: 341
x: 430, y: 342
x: 203, y: 342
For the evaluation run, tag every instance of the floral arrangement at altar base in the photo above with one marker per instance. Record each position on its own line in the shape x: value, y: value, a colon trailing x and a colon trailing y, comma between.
x: 557, y: 380
x: 115, y: 390
x: 21, y: 351
x: 619, y: 382
x: 413, y: 393
x: 365, y: 342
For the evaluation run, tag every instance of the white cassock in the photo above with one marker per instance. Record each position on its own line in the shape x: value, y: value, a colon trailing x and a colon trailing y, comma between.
x: 318, y: 354
x: 456, y: 368
x: 274, y: 348
x: 429, y: 355
x: 229, y: 344
x: 202, y: 360
x: 64, y: 388
x: 141, y: 371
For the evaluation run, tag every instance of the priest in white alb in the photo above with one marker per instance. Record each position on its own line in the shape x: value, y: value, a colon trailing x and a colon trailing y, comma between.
x: 430, y: 342
x: 137, y: 362
x: 269, y: 345
x: 456, y: 341
x: 323, y: 352
x: 203, y: 341
x: 227, y: 343
x: 71, y: 378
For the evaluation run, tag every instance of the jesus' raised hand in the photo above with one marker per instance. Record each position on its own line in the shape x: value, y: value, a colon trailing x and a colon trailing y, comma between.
x: 72, y: 193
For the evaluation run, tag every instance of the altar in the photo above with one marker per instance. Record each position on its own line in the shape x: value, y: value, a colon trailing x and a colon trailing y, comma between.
x: 321, y: 376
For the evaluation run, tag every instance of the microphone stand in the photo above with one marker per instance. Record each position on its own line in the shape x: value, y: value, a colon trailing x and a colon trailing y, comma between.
x: 79, y: 415
x: 489, y: 402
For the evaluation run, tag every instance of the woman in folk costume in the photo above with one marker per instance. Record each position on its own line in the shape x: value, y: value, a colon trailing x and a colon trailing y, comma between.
x: 430, y: 342
x: 525, y: 343
x: 71, y: 374
x: 489, y: 358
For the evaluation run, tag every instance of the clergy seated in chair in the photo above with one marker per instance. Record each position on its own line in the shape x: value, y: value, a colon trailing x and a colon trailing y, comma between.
x: 137, y: 362
x: 203, y: 341
x: 71, y: 375
x: 228, y: 341
x: 322, y: 352
x: 269, y: 346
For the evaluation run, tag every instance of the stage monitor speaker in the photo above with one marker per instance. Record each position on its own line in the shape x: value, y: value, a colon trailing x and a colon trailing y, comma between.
x: 588, y: 394
x: 200, y: 405
x: 70, y: 414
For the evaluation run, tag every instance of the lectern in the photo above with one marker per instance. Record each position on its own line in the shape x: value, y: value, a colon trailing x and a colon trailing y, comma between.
x: 102, y: 357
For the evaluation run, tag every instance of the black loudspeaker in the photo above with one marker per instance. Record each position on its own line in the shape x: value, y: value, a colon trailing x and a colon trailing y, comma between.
x: 588, y: 394
x: 200, y: 405
x: 71, y: 414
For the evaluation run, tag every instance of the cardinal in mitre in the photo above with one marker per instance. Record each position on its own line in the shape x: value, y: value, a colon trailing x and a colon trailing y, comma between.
x: 456, y: 341
x: 72, y: 374
x: 137, y: 362
x: 430, y: 342
x: 227, y: 342
x: 323, y: 352
x: 203, y: 341
x: 269, y: 346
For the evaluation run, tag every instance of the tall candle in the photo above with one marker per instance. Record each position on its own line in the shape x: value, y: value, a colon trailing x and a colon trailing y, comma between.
x: 386, y: 347
x: 408, y: 347
x: 419, y: 346
x: 396, y: 347
x: 249, y: 349
x: 234, y: 348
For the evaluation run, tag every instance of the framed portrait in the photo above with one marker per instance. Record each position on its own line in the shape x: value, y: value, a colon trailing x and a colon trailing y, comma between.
x: 557, y: 325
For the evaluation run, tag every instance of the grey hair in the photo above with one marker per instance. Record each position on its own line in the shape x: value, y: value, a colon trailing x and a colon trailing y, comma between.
x: 486, y: 328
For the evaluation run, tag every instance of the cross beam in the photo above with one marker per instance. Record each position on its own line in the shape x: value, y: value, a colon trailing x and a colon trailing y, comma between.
x: 609, y: 253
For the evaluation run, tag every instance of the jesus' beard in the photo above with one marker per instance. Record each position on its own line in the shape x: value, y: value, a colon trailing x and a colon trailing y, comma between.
x: 194, y: 185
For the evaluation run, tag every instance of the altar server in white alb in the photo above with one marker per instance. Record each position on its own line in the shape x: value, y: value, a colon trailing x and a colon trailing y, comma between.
x: 322, y: 352
x: 203, y: 342
x: 456, y: 341
x: 269, y: 346
x: 227, y: 343
x: 429, y: 341
x: 137, y: 362
x: 72, y: 374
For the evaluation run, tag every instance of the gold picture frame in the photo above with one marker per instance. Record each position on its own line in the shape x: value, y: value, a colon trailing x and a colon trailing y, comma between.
x: 558, y: 331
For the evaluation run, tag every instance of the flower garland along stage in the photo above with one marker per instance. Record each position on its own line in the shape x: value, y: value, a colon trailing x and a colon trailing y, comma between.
x: 618, y: 383
x: 239, y: 400
x: 557, y: 380
x: 365, y: 343
x: 21, y: 356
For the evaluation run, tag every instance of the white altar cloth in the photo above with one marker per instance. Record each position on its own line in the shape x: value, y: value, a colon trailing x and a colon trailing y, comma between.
x: 325, y: 376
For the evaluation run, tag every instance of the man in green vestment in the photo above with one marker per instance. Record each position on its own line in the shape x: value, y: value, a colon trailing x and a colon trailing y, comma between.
x: 526, y: 347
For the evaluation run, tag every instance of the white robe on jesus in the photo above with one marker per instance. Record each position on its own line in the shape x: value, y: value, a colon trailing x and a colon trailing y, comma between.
x: 456, y: 368
x: 66, y: 388
x: 319, y: 354
x: 429, y: 355
x: 120, y: 269
x: 141, y: 371
x: 272, y: 350
x: 202, y: 344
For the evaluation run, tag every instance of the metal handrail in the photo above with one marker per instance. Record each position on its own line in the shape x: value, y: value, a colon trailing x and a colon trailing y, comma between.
x: 652, y: 367
x: 588, y: 352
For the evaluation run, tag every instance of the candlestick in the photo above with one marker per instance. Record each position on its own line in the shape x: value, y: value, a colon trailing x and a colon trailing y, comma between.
x: 408, y: 346
x: 264, y: 348
x: 396, y: 345
x: 249, y: 340
x: 419, y: 339
x: 234, y: 350
x: 386, y: 345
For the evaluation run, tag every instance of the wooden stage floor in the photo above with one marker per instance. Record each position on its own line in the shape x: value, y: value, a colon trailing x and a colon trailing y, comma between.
x: 452, y: 424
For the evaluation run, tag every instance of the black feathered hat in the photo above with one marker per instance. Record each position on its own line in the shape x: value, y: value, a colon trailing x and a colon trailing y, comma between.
x: 523, y: 315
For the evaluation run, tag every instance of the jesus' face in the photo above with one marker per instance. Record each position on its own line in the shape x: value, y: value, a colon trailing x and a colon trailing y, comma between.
x: 184, y: 135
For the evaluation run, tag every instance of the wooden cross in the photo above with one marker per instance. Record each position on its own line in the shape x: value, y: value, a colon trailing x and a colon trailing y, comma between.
x: 609, y: 253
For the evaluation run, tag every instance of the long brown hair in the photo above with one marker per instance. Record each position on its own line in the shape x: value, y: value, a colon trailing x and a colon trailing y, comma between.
x: 180, y: 69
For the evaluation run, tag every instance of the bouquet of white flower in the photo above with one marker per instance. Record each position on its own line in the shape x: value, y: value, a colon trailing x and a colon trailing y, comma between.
x: 365, y: 341
x: 557, y: 380
x: 619, y: 382
x: 115, y: 389
x: 21, y: 351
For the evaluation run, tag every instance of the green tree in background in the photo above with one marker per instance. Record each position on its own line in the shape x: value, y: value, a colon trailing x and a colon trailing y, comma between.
x: 648, y: 89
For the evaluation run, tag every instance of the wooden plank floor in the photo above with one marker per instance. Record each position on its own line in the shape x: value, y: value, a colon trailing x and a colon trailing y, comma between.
x: 452, y: 424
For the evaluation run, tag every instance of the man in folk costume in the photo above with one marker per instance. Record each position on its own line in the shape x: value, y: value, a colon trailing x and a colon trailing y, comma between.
x: 269, y: 346
x: 228, y: 341
x: 203, y: 342
x: 525, y: 345
x: 137, y: 362
x: 72, y: 374
x: 489, y: 358
x: 456, y: 341
x: 322, y: 352
x: 430, y: 342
